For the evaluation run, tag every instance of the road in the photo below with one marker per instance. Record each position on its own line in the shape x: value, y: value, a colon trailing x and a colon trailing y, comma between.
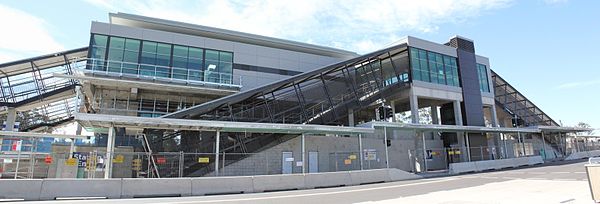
x: 558, y: 183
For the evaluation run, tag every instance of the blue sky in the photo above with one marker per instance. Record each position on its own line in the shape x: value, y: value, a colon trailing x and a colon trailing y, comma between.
x: 545, y: 48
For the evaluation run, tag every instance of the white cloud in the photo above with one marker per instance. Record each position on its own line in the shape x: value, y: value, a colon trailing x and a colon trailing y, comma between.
x: 356, y: 25
x: 579, y: 84
x: 24, y: 35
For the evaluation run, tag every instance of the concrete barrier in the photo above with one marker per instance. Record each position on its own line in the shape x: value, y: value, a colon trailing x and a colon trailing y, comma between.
x: 581, y: 155
x: 463, y: 167
x: 278, y: 182
x: 143, y: 187
x: 331, y: 179
x: 222, y: 185
x: 63, y: 188
x: 369, y: 176
x: 49, y: 189
x: 399, y: 175
x: 28, y: 189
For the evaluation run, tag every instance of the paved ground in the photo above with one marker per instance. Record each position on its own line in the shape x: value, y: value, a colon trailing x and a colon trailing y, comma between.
x: 562, y: 183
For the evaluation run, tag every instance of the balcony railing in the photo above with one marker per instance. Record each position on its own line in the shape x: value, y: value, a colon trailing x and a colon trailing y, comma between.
x: 164, y: 73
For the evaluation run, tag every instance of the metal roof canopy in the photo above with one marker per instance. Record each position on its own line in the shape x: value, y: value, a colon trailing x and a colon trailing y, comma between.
x: 450, y: 128
x: 35, y: 134
x: 41, y: 62
x: 478, y: 129
x: 105, y: 121
x: 218, y: 33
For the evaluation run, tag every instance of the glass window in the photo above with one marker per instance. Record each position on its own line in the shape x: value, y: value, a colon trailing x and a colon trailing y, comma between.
x: 483, y: 78
x: 99, y: 40
x: 433, y: 67
x: 133, y: 56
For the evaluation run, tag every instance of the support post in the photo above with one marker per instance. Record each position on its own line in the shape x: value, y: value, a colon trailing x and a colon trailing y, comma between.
x: 393, y: 105
x: 544, y: 145
x: 360, y: 150
x: 303, y: 154
x: 522, y: 138
x: 72, y: 148
x: 110, y: 143
x: 11, y: 117
x: 217, y: 138
x: 414, y: 107
x: 424, y: 152
x: 351, y: 118
x: 435, y: 115
x: 385, y: 139
x: 468, y: 146
x: 505, y: 147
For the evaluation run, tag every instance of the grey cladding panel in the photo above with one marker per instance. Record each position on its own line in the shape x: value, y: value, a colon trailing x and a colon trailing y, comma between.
x: 472, y: 102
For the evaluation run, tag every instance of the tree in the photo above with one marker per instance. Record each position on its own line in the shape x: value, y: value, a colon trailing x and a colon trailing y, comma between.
x: 585, y: 125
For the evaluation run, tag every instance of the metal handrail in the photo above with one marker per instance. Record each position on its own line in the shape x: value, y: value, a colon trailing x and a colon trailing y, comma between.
x: 140, y: 70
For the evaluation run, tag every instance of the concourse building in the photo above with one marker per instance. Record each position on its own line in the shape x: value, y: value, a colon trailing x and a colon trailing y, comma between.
x: 203, y: 101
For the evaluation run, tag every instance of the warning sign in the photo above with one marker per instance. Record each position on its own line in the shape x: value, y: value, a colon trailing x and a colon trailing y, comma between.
x: 352, y: 156
x: 203, y: 160
x: 119, y: 159
x: 347, y: 161
x: 161, y: 160
x: 71, y: 162
x: 48, y: 159
x: 370, y: 154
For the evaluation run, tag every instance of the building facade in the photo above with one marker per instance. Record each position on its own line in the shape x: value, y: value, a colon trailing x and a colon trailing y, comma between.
x: 164, y: 86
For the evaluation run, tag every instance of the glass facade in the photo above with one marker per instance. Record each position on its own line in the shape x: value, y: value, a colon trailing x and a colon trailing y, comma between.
x: 323, y: 97
x: 484, y: 85
x: 153, y: 59
x: 433, y: 67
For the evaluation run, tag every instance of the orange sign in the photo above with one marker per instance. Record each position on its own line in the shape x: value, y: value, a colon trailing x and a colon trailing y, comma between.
x: 48, y: 159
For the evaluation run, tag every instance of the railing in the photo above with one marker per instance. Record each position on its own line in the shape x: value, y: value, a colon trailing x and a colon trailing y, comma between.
x: 158, y: 72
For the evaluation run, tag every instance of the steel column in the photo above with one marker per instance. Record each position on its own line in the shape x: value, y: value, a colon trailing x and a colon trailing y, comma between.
x: 217, y: 152
x: 385, y: 139
x: 360, y: 150
x: 109, y: 152
x: 303, y: 154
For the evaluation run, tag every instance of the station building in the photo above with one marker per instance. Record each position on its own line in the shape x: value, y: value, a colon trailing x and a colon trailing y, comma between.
x: 243, y: 104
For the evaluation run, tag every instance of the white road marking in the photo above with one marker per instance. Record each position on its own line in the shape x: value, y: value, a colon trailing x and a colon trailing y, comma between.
x: 313, y: 194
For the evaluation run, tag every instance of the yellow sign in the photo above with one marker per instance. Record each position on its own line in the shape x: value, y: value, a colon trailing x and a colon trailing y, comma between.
x: 203, y: 160
x: 136, y: 164
x: 450, y: 152
x: 119, y: 159
x: 457, y: 152
x: 71, y: 162
x: 352, y: 156
x: 347, y: 161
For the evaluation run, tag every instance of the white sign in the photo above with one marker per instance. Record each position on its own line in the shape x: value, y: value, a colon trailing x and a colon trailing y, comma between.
x: 7, y: 161
x: 17, y: 145
x: 291, y: 159
x: 299, y: 163
x: 370, y: 154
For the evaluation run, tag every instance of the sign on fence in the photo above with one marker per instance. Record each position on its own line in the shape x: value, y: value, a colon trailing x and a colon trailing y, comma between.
x: 203, y: 160
x: 136, y: 164
x: 71, y: 162
x: 119, y: 159
x: 370, y: 154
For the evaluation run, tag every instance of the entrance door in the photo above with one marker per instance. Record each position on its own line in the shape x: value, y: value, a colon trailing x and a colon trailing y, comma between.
x: 313, y: 162
x: 286, y: 162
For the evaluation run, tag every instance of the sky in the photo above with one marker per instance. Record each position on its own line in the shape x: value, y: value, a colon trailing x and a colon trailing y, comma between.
x: 545, y: 48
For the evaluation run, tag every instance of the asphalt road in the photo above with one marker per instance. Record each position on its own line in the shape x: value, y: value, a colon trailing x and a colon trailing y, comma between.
x: 557, y: 183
